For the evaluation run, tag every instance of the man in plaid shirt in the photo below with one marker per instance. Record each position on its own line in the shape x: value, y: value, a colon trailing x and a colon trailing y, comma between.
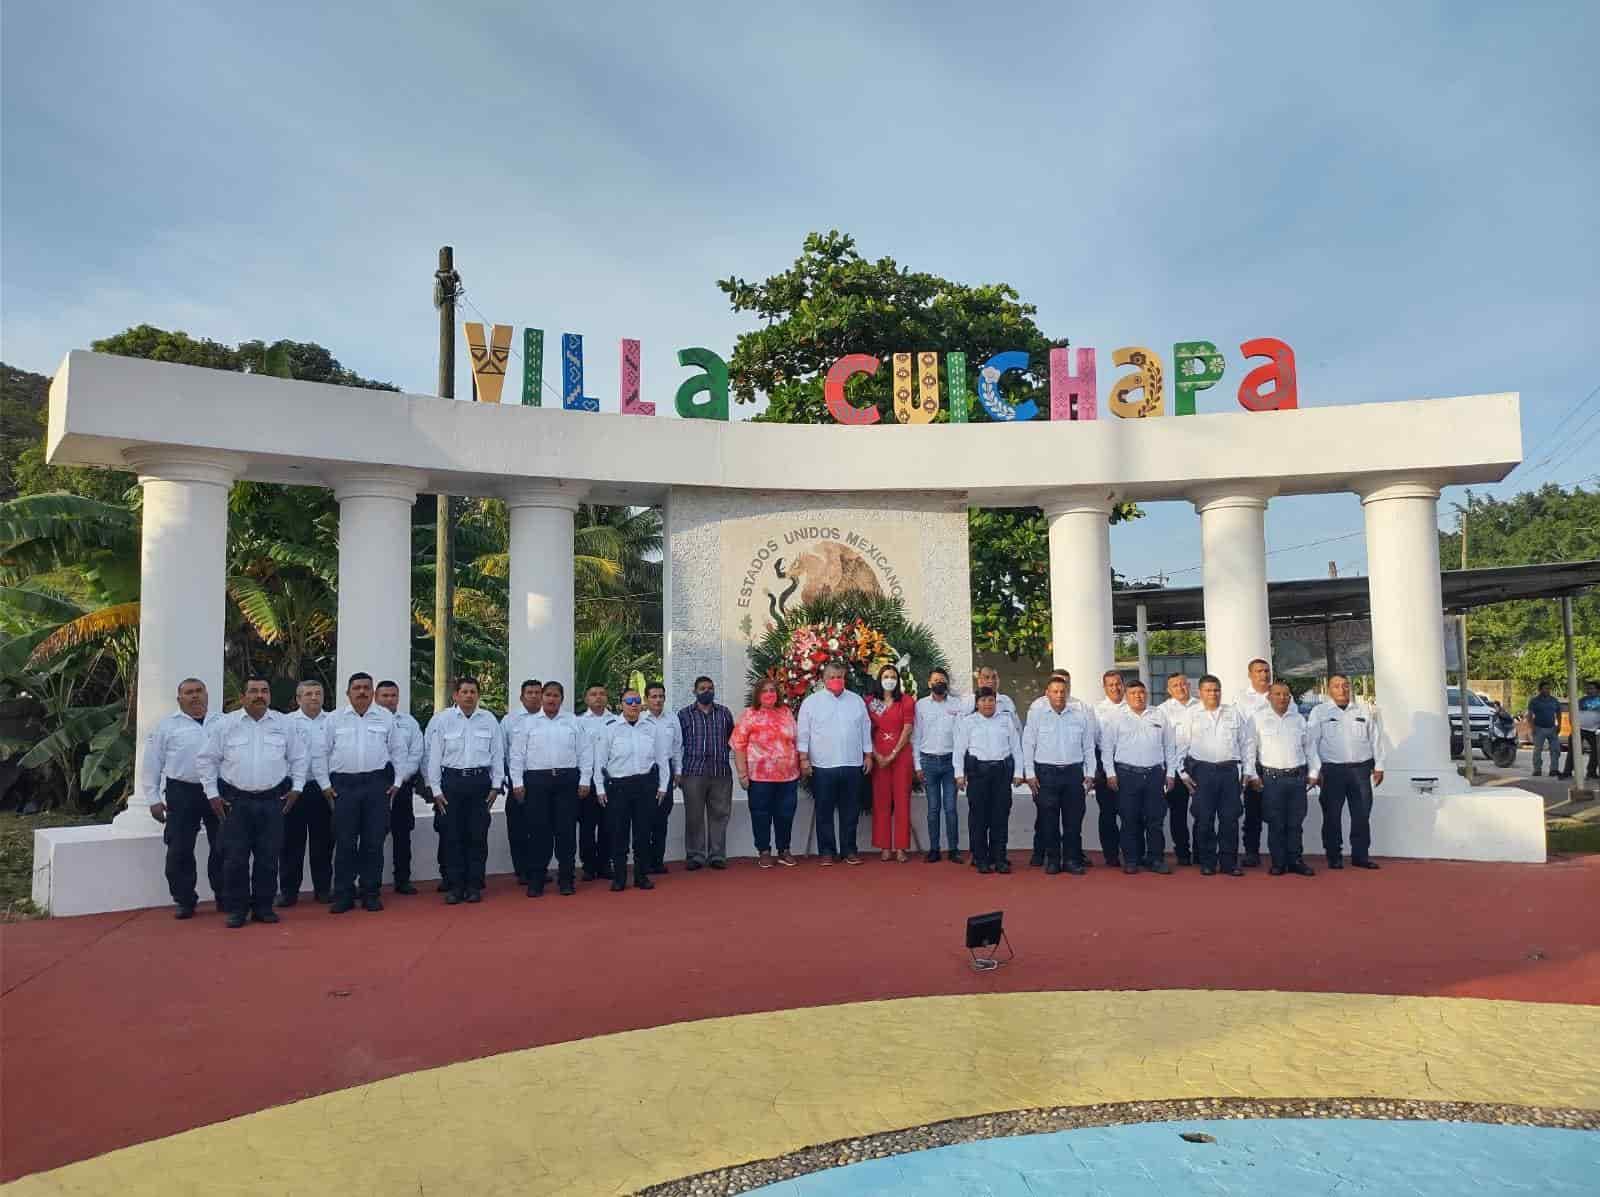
x: 707, y: 778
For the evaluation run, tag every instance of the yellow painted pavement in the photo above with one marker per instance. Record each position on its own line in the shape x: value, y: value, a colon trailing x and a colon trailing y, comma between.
x: 613, y: 1114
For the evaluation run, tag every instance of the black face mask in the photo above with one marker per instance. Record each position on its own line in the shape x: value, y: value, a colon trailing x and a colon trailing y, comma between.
x: 705, y: 697
x: 940, y: 688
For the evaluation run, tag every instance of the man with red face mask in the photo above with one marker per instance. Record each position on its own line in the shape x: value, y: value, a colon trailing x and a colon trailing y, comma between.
x: 835, y: 745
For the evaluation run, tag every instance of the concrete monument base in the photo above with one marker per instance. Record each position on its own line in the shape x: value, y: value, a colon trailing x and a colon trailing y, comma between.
x: 88, y: 870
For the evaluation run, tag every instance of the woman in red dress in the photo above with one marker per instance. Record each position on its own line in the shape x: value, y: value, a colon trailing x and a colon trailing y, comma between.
x: 892, y: 713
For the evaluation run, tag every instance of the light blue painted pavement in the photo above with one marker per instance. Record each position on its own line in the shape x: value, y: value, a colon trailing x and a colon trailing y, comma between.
x: 1280, y: 1156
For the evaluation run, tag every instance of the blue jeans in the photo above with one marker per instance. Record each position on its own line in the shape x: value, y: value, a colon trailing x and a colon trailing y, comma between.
x: 837, y: 789
x: 772, y: 805
x: 939, y: 782
x: 1541, y: 737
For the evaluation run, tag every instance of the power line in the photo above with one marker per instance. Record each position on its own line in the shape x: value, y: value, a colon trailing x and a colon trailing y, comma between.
x: 1310, y: 544
x: 1557, y: 433
x: 462, y: 295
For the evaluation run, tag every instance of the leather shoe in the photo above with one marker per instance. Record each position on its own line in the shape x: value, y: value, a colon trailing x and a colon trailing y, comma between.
x: 932, y: 857
x: 719, y: 865
x: 1365, y: 864
x: 644, y: 882
x: 567, y: 889
x: 955, y: 856
x: 1085, y: 861
x: 1303, y: 869
x: 371, y: 902
x: 474, y: 895
x: 235, y: 919
x: 1207, y: 871
x: 183, y: 912
x: 1073, y: 867
x: 341, y: 906
x: 1335, y: 863
x: 589, y: 874
x: 285, y: 900
x: 1130, y: 870
x: 443, y: 887
x: 1236, y: 871
x: 618, y: 885
x: 452, y: 898
x: 1003, y: 867
x: 1051, y: 868
x: 694, y: 866
x: 536, y: 891
x: 323, y: 896
x: 1185, y: 862
x: 1252, y: 860
x: 265, y: 916
x: 1036, y: 860
x: 1276, y: 871
x: 985, y: 868
x: 1162, y: 867
x: 657, y: 870
x: 405, y: 887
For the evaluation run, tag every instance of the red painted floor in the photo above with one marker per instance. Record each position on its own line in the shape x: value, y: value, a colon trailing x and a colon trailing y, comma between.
x: 115, y: 1029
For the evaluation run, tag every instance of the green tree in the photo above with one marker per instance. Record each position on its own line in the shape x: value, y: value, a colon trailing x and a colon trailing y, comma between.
x: 831, y: 302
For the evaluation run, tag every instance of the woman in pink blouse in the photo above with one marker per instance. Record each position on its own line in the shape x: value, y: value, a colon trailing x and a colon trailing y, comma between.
x: 768, y: 764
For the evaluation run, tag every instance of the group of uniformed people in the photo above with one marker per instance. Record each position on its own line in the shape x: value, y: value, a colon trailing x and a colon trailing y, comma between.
x: 273, y: 790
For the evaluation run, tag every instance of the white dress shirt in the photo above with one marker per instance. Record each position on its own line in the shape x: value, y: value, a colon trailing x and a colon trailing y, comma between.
x: 315, y: 734
x: 1105, y: 709
x: 1283, y: 741
x: 252, y: 754
x: 1142, y: 741
x: 671, y: 731
x: 835, y: 731
x: 987, y: 738
x: 409, y: 764
x: 540, y: 742
x: 594, y: 727
x: 171, y: 750
x: 361, y: 744
x: 934, y: 732
x: 1064, y: 737
x: 1346, y: 735
x: 633, y: 749
x: 1253, y: 700
x: 1220, y: 737
x: 1172, y: 709
x: 456, y: 742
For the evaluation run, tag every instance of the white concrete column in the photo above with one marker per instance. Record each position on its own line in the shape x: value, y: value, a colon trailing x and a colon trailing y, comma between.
x: 542, y: 612
x: 183, y: 565
x: 1233, y: 552
x: 375, y: 576
x: 1402, y: 519
x: 1080, y: 586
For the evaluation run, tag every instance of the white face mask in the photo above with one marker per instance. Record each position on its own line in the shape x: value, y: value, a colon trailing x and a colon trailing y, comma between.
x: 889, y: 684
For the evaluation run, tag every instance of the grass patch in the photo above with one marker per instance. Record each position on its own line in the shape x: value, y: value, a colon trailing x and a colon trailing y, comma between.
x: 16, y: 857
x: 1572, y: 837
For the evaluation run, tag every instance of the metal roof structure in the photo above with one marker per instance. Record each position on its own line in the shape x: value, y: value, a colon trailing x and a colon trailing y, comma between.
x: 1317, y: 599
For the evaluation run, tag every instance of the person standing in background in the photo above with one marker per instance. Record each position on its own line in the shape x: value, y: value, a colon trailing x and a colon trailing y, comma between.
x: 835, y: 746
x: 988, y: 760
x: 1544, y: 714
x: 402, y: 818
x: 466, y: 764
x: 893, y: 716
x: 1346, y: 735
x: 1058, y: 766
x: 1105, y: 797
x: 1252, y: 700
x: 933, y: 745
x: 655, y: 701
x: 531, y: 698
x: 308, y: 823
x: 594, y: 852
x: 707, y: 781
x: 767, y: 759
x: 1176, y: 708
x: 169, y: 756
x: 1139, y: 753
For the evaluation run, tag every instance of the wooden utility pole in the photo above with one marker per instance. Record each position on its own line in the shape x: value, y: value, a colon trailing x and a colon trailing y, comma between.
x: 1461, y: 637
x: 446, y: 286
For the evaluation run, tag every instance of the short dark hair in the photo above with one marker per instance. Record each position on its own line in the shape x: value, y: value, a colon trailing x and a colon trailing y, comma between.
x: 597, y: 686
x: 1182, y: 674
x: 1254, y: 661
x: 557, y: 687
x: 627, y: 690
x: 984, y: 692
x: 1346, y: 676
x: 1212, y: 678
x: 466, y: 679
x: 1284, y: 684
x: 357, y: 676
x: 656, y: 685
x: 390, y: 682
x: 258, y: 677
x: 698, y: 680
x: 1136, y: 684
x: 940, y: 671
x: 188, y: 680
x: 1110, y: 673
x: 1543, y: 682
x: 532, y: 681
x: 1061, y: 676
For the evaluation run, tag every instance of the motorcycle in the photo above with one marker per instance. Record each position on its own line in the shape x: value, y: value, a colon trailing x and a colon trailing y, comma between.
x: 1500, y: 745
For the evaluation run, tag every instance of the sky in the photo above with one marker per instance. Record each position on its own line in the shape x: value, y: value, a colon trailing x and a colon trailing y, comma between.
x: 1403, y: 192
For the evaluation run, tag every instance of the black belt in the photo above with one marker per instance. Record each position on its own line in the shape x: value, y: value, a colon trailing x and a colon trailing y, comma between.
x: 550, y: 772
x: 1050, y: 765
x: 979, y: 762
x: 477, y: 771
x: 938, y: 756
x: 1138, y: 770
x: 1193, y: 763
x: 189, y: 788
x: 229, y: 790
x: 651, y: 772
x: 339, y: 779
x: 1366, y: 764
x: 1270, y: 774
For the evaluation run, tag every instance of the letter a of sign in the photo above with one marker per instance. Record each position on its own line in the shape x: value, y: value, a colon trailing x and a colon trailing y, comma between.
x: 489, y: 359
x: 1148, y: 379
x: 1279, y: 371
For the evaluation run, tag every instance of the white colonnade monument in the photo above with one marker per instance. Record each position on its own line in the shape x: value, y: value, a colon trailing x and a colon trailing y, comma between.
x: 731, y: 489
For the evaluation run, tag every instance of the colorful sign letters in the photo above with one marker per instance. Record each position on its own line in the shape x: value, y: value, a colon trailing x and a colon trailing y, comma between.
x: 914, y: 380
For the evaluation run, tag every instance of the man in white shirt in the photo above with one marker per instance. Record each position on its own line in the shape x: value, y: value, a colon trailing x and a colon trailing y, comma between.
x: 530, y: 697
x: 466, y: 763
x: 1214, y: 742
x: 364, y: 766
x: 1347, y: 737
x: 1286, y: 760
x: 1252, y: 700
x: 308, y: 824
x: 655, y: 701
x: 252, y: 765
x: 402, y: 818
x: 552, y: 767
x: 1058, y: 766
x: 169, y: 755
x: 1104, y: 796
x: 1178, y: 703
x: 594, y: 851
x: 835, y: 745
x: 933, y: 740
x: 632, y: 780
x: 988, y: 759
x: 1139, y: 755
